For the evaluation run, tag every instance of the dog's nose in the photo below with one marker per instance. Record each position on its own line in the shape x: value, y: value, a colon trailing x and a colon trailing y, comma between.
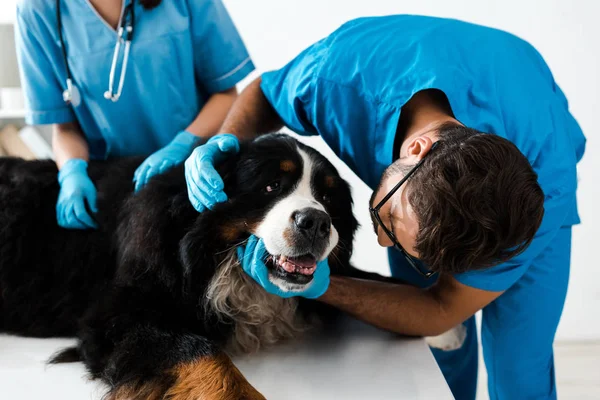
x: 311, y: 223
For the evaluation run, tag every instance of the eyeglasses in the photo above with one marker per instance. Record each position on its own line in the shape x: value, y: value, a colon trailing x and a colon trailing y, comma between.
x: 415, y: 263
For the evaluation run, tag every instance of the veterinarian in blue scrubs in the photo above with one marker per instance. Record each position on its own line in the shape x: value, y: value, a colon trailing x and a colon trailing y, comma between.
x: 449, y: 100
x: 184, y: 61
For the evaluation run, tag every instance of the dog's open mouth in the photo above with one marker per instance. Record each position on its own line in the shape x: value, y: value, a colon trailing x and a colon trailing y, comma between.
x: 297, y: 270
x: 305, y: 265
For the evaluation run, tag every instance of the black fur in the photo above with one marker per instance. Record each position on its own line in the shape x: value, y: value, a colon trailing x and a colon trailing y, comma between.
x: 131, y: 290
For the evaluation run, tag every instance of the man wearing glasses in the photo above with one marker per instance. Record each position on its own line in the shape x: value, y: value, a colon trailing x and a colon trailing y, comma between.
x: 471, y: 151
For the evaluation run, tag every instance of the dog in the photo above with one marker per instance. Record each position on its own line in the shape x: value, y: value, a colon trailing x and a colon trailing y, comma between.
x: 156, y: 295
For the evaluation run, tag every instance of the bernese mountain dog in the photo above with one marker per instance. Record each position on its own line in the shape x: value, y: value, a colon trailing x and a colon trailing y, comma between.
x: 156, y: 296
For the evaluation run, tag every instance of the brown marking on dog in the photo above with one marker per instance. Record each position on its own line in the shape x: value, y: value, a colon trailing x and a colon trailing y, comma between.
x: 233, y: 230
x: 152, y: 390
x: 330, y: 182
x: 287, y: 166
x: 211, y: 378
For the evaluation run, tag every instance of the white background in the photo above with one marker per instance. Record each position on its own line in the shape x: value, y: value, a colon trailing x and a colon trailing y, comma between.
x: 567, y: 34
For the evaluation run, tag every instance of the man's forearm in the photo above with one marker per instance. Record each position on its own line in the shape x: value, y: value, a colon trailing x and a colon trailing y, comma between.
x: 251, y: 115
x: 212, y: 115
x: 403, y: 309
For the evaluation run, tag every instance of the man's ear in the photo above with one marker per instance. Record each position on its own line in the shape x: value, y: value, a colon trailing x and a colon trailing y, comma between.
x: 420, y: 146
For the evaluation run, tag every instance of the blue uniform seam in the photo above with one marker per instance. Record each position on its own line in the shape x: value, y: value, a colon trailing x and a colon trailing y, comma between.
x: 232, y: 71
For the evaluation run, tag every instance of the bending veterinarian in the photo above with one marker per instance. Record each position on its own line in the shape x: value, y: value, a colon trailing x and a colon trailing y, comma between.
x: 444, y: 120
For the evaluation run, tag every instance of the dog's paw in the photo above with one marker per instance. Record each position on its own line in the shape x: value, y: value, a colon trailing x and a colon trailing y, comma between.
x: 450, y: 340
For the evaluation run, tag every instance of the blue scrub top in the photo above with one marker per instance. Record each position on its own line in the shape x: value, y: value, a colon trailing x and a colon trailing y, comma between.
x: 182, y: 52
x: 349, y: 88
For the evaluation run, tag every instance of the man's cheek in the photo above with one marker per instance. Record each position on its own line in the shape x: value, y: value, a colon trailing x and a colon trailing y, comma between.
x: 383, y: 239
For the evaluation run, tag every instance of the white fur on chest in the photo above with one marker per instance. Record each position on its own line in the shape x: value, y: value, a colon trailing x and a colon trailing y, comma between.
x: 261, y: 319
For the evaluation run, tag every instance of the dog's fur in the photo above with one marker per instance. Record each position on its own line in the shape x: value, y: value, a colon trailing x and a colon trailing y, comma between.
x: 156, y: 295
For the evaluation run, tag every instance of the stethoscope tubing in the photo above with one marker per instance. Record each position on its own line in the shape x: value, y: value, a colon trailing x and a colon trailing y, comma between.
x: 124, y: 37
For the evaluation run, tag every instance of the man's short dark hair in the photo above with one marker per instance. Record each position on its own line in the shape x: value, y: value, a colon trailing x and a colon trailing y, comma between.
x: 477, y: 201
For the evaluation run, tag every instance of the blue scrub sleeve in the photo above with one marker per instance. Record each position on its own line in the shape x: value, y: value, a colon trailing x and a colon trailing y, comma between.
x: 558, y: 178
x: 39, y: 60
x: 220, y: 55
x: 290, y: 91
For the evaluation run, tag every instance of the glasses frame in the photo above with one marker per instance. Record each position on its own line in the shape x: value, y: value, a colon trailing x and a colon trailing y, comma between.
x: 375, y: 214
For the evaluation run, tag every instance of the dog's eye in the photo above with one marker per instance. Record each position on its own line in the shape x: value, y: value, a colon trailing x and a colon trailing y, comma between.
x: 326, y: 198
x: 272, y: 187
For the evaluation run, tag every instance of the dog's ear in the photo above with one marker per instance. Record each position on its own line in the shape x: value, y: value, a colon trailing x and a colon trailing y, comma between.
x: 228, y: 169
x: 206, y: 242
x: 339, y: 259
x: 346, y: 225
x: 196, y: 253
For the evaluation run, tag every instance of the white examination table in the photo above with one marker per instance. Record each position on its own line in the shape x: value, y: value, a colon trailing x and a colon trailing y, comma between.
x: 353, y: 362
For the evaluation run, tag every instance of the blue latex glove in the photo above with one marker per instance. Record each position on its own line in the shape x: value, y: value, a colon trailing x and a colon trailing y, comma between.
x: 253, y: 256
x: 168, y: 157
x: 205, y: 186
x: 76, y: 188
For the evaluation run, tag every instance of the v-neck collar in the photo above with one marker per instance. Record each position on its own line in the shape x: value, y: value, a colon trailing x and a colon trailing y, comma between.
x: 104, y: 21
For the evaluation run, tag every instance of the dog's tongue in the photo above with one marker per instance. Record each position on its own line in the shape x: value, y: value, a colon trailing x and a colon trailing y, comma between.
x: 305, y: 265
x: 303, y: 261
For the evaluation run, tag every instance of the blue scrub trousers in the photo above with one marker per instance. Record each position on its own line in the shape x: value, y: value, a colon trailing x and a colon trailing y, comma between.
x: 517, y: 330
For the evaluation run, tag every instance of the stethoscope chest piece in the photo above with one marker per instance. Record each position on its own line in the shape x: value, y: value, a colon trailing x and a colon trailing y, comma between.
x: 71, y: 95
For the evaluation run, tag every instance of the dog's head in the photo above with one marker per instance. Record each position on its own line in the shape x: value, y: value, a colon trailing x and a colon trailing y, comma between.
x: 293, y: 198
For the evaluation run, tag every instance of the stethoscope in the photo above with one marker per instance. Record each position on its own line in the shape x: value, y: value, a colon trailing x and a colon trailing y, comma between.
x: 124, y: 36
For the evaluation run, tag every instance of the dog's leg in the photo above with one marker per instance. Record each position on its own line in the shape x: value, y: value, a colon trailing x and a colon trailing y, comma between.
x: 211, y: 378
x: 169, y: 366
x: 147, y: 347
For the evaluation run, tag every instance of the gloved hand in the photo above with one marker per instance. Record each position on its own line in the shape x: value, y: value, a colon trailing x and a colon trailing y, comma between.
x: 169, y: 156
x: 76, y: 188
x: 253, y: 256
x: 205, y: 186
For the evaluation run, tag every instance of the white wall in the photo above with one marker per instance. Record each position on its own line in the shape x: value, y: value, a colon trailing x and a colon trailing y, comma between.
x: 7, y: 10
x: 565, y: 32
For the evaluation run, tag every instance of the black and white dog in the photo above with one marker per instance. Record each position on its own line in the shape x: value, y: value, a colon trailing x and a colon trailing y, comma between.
x: 156, y: 296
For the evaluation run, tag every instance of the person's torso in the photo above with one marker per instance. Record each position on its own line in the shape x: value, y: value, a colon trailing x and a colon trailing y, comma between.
x: 161, y: 95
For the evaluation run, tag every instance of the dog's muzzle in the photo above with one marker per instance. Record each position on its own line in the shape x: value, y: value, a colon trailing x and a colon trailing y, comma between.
x: 308, y: 239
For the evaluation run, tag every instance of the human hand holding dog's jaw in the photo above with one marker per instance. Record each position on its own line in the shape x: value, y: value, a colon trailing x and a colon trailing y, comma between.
x: 252, y: 257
